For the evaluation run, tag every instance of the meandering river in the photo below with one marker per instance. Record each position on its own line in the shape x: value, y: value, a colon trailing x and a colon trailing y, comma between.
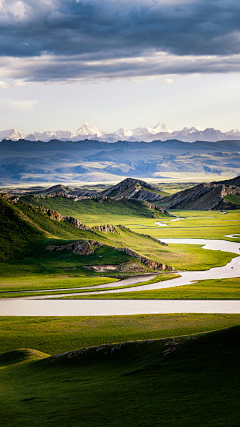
x: 35, y: 307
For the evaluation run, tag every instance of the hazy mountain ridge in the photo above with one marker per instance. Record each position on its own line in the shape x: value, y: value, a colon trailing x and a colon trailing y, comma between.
x: 159, y: 132
x: 95, y: 161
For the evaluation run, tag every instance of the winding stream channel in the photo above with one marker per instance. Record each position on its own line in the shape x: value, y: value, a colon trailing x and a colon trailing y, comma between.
x: 43, y: 306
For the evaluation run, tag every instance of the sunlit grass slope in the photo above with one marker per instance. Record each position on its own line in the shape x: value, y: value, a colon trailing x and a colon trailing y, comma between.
x: 96, y: 211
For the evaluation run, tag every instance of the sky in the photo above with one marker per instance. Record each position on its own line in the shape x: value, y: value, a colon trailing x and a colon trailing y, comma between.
x: 118, y: 63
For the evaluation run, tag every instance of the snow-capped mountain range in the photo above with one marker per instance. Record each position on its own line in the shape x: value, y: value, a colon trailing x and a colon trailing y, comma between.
x: 160, y: 132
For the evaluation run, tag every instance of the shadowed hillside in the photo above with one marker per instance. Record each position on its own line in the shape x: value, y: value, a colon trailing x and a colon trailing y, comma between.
x: 182, y: 381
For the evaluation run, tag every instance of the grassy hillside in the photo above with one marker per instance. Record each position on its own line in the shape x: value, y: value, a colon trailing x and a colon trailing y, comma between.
x: 96, y: 211
x: 31, y: 236
x: 177, y: 382
x: 26, y: 232
x: 16, y: 234
x: 60, y: 334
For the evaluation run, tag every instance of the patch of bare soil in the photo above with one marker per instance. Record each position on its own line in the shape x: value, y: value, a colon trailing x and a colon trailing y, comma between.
x: 102, y: 268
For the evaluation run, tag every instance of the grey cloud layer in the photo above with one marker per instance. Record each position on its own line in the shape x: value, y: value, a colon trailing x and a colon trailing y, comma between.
x: 86, y: 31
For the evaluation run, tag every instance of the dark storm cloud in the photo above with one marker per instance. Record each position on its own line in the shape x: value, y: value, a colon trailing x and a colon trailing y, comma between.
x: 100, y: 30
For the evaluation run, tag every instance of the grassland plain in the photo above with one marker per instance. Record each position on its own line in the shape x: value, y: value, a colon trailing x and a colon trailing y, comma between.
x: 58, y: 285
x: 176, y: 382
x: 195, y: 224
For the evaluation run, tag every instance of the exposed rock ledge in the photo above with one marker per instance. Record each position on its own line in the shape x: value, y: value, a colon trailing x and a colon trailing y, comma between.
x: 78, y: 248
x: 84, y: 247
x: 105, y: 228
x: 154, y: 265
x: 74, y: 221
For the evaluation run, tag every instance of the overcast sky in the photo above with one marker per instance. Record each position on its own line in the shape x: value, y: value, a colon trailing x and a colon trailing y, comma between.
x: 119, y: 63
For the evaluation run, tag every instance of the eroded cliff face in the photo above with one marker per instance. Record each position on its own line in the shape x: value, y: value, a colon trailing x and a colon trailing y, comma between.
x: 207, y: 196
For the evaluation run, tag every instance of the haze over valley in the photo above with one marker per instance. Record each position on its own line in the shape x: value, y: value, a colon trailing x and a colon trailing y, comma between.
x: 27, y: 162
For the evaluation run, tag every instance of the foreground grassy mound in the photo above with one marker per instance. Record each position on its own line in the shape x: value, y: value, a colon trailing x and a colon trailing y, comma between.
x: 177, y: 382
x: 54, y: 335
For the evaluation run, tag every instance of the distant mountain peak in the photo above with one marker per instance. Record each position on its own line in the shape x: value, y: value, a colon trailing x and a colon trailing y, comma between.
x: 124, y: 132
x: 193, y: 129
x: 162, y: 127
x: 88, y: 129
x: 234, y: 132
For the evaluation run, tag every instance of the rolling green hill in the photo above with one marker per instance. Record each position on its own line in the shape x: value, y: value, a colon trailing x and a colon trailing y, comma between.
x: 96, y: 211
x: 176, y: 382
x: 35, y: 240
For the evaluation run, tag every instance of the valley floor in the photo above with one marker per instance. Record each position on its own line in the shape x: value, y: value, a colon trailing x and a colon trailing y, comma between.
x: 166, y: 369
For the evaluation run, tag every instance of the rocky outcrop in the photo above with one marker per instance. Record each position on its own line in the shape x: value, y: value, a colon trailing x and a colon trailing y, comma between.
x: 56, y: 216
x: 84, y: 247
x: 105, y: 228
x: 76, y: 223
x: 156, y: 208
x: 81, y: 247
x: 96, y: 244
x: 154, y: 265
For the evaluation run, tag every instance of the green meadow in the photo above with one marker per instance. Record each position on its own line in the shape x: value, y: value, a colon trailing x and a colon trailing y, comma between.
x: 205, y: 289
